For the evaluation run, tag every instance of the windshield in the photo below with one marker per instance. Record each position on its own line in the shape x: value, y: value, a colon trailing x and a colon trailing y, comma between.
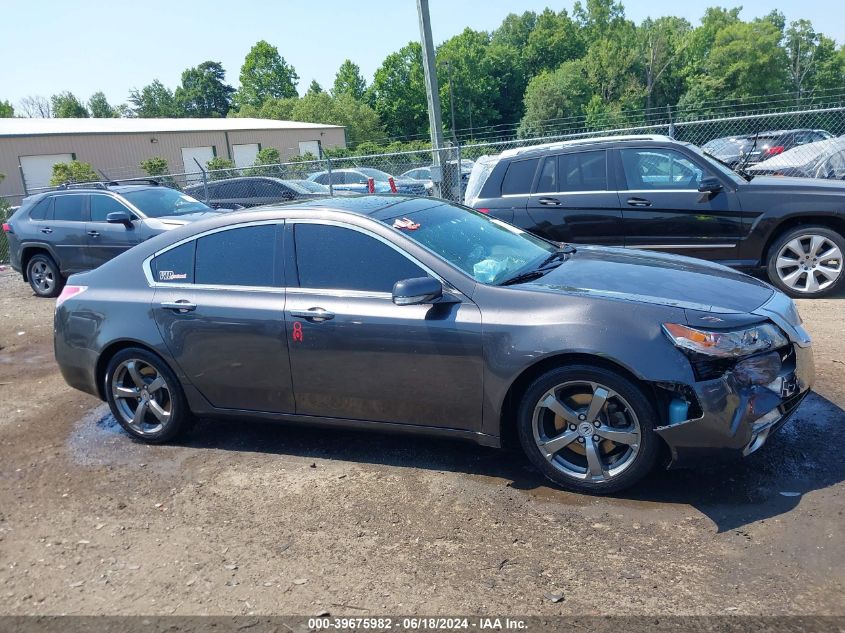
x: 310, y: 186
x: 487, y: 249
x: 715, y: 163
x: 375, y: 174
x: 157, y: 202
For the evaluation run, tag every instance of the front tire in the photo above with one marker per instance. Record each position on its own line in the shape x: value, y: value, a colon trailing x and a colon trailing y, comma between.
x: 145, y: 396
x: 806, y: 262
x: 588, y: 429
x: 44, y: 276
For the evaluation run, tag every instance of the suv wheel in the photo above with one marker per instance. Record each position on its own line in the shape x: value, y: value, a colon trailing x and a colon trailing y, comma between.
x: 44, y: 276
x: 145, y: 396
x: 588, y: 429
x: 807, y: 262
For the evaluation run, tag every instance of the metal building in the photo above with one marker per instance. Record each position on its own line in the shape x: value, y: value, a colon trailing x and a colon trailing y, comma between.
x: 114, y: 147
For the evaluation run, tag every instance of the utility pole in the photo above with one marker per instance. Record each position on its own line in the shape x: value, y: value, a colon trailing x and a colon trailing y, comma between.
x: 432, y: 92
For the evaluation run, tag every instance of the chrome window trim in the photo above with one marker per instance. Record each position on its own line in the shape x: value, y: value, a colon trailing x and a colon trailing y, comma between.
x: 659, y: 190
x: 146, y: 265
x: 335, y: 292
x: 572, y: 193
x: 698, y: 246
x: 369, y: 233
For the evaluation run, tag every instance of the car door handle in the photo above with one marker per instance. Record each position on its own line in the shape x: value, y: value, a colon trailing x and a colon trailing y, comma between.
x: 549, y: 202
x: 639, y: 202
x: 318, y: 315
x: 47, y: 229
x: 94, y: 233
x: 182, y: 305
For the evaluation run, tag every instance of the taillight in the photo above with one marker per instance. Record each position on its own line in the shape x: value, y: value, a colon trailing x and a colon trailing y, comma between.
x: 7, y: 228
x: 775, y: 150
x: 68, y: 292
x: 483, y: 210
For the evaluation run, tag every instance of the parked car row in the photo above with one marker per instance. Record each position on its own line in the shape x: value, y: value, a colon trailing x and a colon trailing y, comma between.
x: 750, y: 149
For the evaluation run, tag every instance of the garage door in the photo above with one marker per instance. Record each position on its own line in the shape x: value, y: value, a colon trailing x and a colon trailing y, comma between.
x: 309, y: 147
x: 244, y: 155
x: 193, y: 155
x: 37, y: 170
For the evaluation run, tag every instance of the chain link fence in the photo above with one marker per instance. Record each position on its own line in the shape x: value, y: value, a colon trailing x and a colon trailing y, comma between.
x: 807, y: 142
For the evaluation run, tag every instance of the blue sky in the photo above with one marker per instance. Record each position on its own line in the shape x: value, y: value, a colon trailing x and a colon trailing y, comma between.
x: 113, y: 46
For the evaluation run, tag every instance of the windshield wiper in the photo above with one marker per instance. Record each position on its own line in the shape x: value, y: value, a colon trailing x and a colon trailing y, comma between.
x: 550, y: 263
x: 728, y: 165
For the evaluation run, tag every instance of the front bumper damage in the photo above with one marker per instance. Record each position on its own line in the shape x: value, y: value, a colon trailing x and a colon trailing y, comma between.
x: 736, y: 419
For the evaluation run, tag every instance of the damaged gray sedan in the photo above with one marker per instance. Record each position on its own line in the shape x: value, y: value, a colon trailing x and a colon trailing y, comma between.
x: 419, y: 316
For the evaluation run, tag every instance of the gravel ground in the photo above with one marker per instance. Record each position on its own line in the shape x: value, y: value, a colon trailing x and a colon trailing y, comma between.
x: 250, y: 517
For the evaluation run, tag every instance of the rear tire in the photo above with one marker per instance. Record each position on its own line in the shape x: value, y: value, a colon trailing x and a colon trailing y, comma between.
x: 145, y: 396
x: 806, y: 262
x: 588, y: 429
x: 44, y: 276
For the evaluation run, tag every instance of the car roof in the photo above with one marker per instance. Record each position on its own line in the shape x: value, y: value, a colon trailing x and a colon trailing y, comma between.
x: 218, y: 181
x: 119, y: 189
x: 594, y: 140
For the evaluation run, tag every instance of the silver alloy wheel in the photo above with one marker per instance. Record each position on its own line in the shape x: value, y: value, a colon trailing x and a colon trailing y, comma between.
x: 142, y: 396
x: 587, y: 431
x: 809, y: 263
x: 42, y: 277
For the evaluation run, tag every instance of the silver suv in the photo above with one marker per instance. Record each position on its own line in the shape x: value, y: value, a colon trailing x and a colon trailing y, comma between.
x: 78, y: 227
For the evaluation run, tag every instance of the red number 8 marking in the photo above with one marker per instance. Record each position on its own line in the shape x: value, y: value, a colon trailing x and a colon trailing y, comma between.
x: 297, y: 331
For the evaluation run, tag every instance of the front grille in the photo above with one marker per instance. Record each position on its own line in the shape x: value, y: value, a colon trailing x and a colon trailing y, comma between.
x: 708, y: 367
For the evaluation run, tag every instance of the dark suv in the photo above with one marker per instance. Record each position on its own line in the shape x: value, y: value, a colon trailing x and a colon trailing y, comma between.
x: 652, y: 192
x: 78, y: 227
x: 252, y: 191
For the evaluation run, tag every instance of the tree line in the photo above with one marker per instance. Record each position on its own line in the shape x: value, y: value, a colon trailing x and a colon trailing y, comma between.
x: 534, y: 74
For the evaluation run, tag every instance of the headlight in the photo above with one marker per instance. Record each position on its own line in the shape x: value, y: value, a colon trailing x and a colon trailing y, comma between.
x: 759, y: 338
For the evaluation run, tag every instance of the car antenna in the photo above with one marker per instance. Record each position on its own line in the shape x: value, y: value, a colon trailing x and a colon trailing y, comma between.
x: 742, y: 167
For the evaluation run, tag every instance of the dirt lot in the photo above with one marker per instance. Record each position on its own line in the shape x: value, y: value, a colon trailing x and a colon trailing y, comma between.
x: 251, y: 517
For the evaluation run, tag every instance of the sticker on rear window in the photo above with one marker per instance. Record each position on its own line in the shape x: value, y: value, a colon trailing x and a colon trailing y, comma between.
x: 169, y: 275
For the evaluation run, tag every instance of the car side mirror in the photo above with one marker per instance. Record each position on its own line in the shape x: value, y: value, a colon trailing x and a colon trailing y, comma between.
x: 119, y: 217
x: 710, y: 185
x: 416, y: 291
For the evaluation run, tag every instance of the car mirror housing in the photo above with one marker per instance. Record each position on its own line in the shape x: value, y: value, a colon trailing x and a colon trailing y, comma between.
x: 416, y: 291
x: 119, y: 217
x: 710, y: 185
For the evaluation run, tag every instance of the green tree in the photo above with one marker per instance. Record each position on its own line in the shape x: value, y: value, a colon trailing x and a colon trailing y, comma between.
x: 555, y: 39
x: 154, y: 101
x: 813, y: 62
x: 67, y: 106
x: 348, y: 81
x: 203, y: 92
x: 74, y: 171
x: 265, y: 75
x: 220, y: 168
x: 266, y: 163
x: 314, y: 87
x: 476, y: 82
x: 397, y: 93
x: 662, y: 43
x: 99, y: 107
x: 747, y: 60
x: 6, y: 110
x: 515, y: 30
x: 360, y: 120
x: 155, y: 166
x: 553, y: 99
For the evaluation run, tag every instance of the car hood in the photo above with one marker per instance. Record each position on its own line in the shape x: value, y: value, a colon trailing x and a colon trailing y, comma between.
x: 780, y: 184
x: 644, y: 277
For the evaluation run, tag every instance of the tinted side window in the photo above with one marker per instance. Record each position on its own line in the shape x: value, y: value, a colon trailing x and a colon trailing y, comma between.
x: 39, y: 211
x: 176, y: 266
x: 268, y: 189
x: 353, y: 178
x: 547, y: 183
x: 68, y: 208
x: 519, y: 176
x: 340, y: 258
x: 323, y: 179
x: 101, y: 206
x: 659, y: 169
x: 237, y: 257
x: 583, y: 171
